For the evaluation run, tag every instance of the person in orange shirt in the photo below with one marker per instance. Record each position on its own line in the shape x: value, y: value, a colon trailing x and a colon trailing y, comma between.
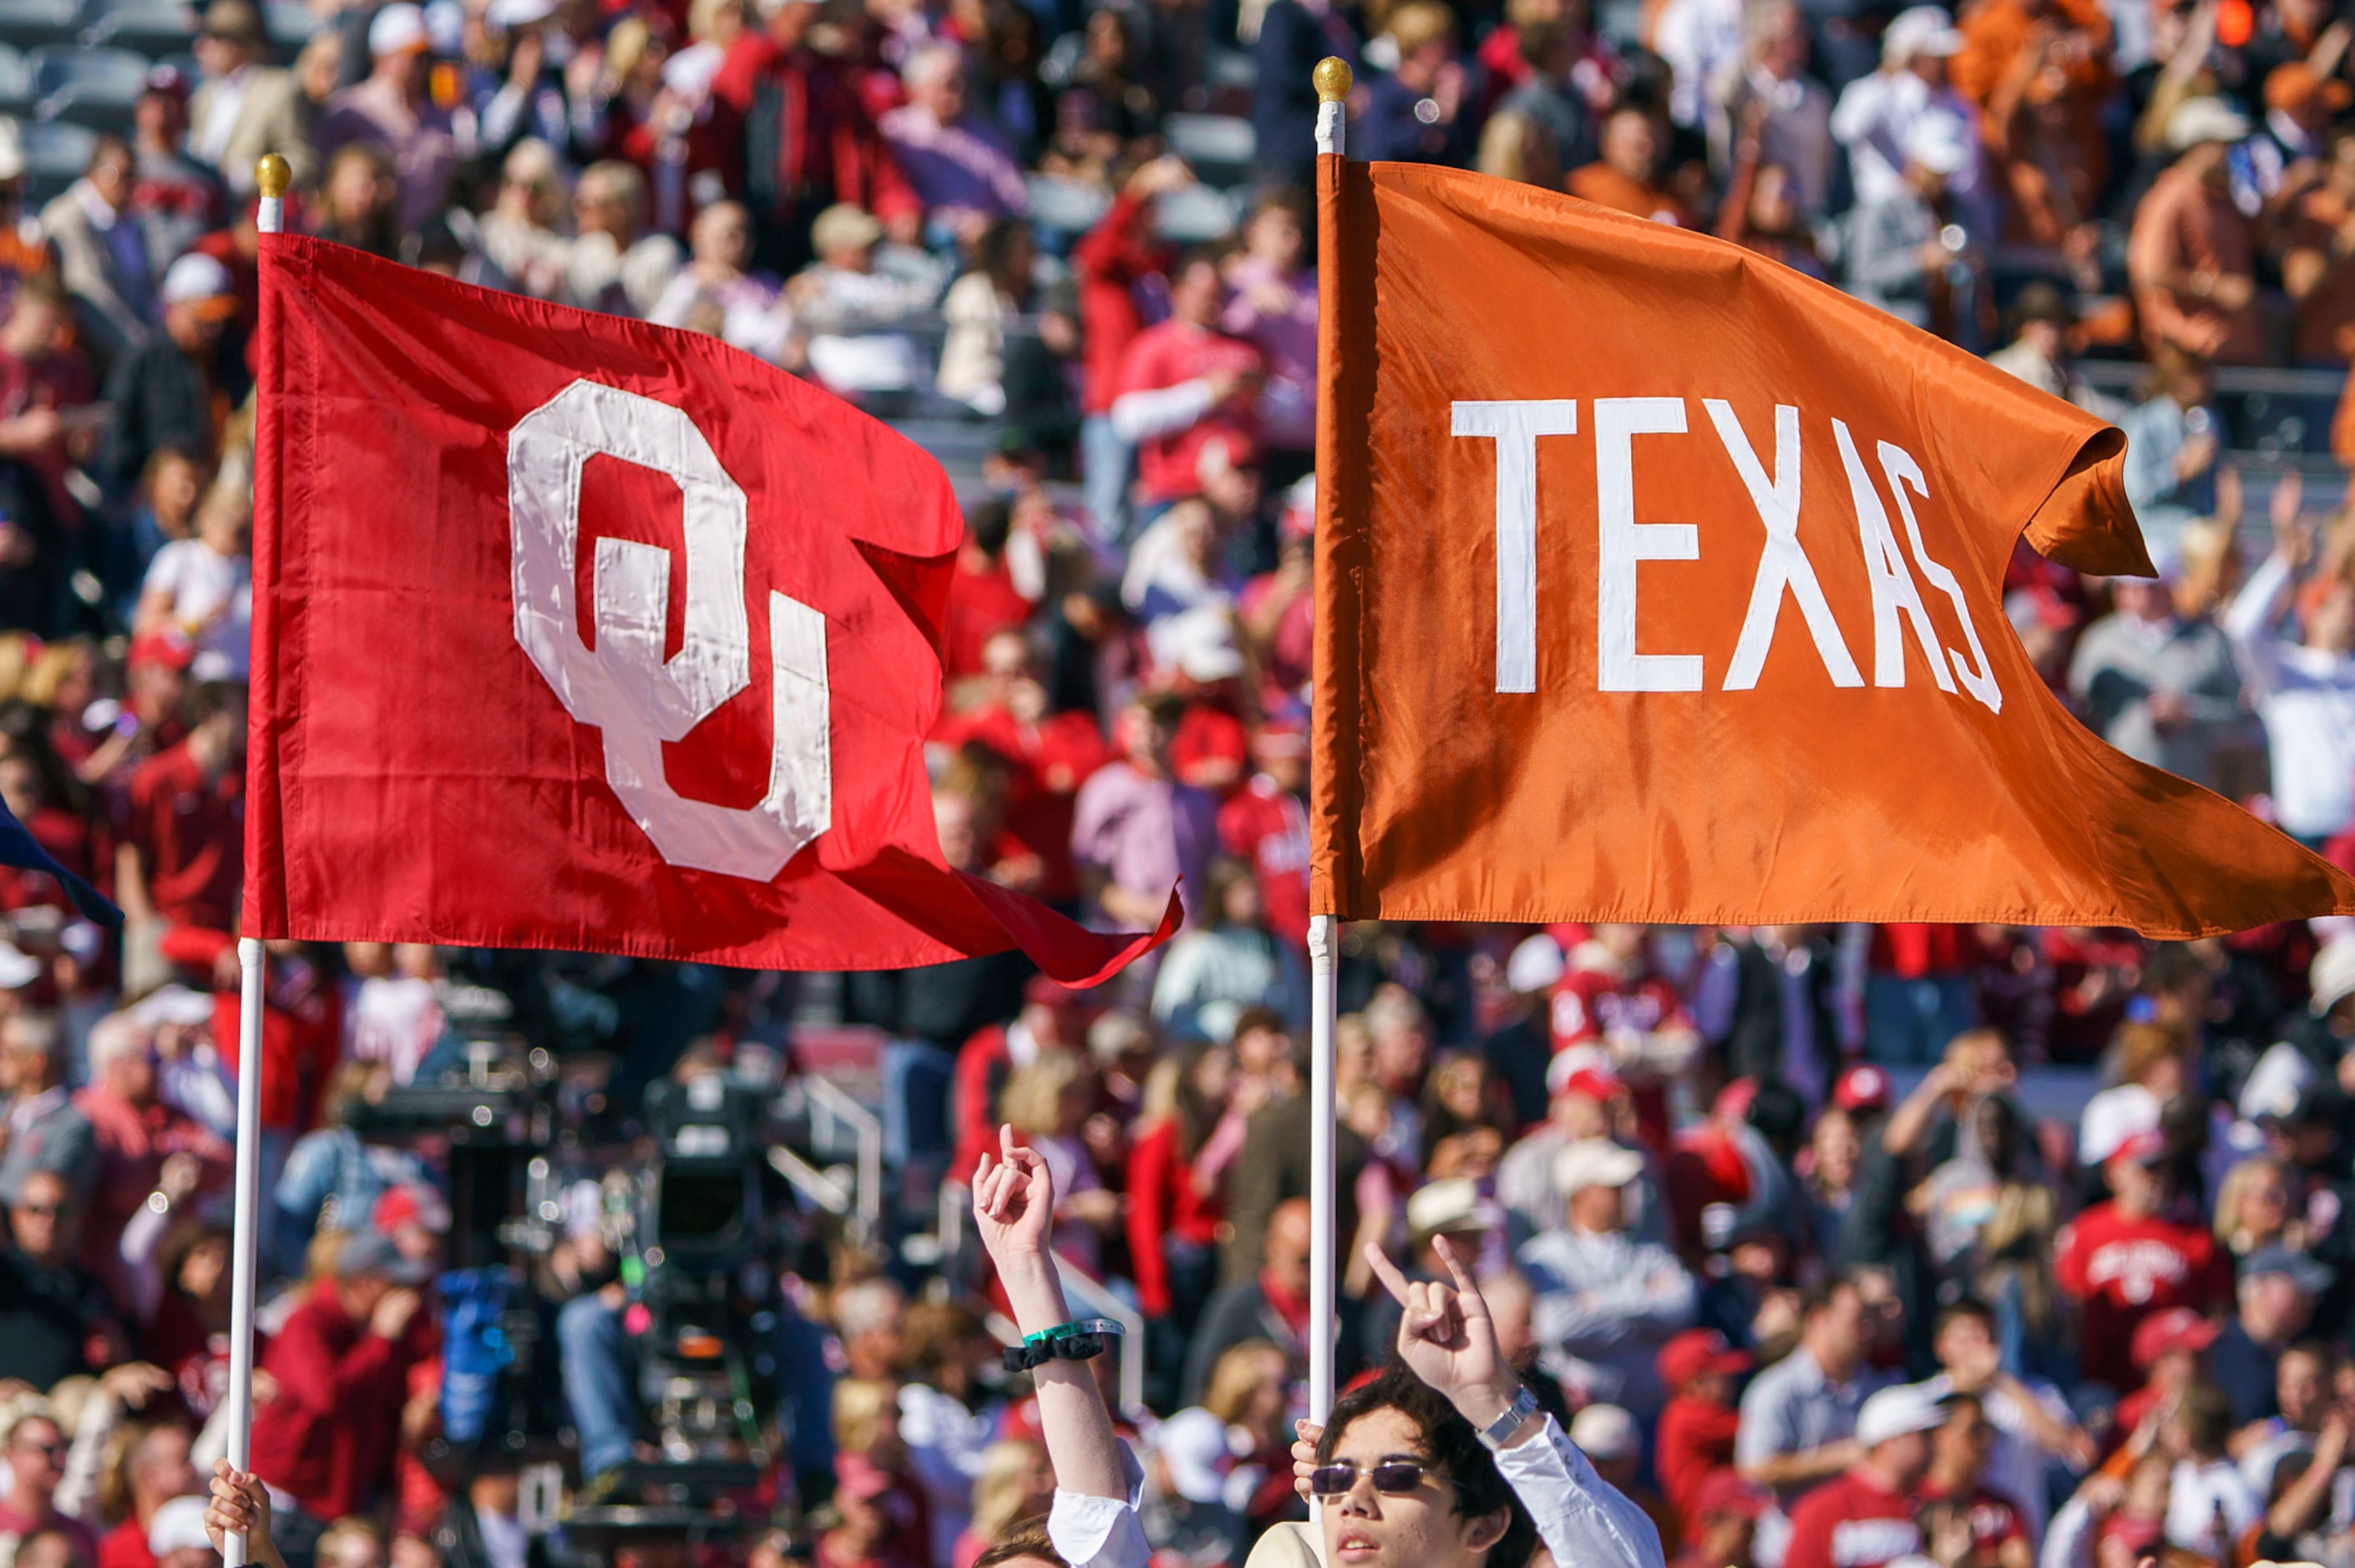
x: 2040, y: 72
x: 2315, y: 261
x: 1625, y: 178
x: 2191, y: 255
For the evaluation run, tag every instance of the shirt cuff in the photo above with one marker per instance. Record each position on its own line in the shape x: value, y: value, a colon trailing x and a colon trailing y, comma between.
x: 1102, y: 1532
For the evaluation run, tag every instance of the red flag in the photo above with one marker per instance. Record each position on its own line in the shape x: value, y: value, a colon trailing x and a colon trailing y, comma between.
x: 574, y: 632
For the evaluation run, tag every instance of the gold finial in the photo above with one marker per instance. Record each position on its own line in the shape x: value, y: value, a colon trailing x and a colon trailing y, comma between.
x: 1332, y: 78
x: 271, y: 176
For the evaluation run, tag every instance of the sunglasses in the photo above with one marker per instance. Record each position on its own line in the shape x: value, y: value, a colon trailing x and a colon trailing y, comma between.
x: 1391, y: 1477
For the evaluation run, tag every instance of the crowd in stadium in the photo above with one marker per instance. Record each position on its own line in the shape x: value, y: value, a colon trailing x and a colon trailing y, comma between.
x: 1769, y: 1219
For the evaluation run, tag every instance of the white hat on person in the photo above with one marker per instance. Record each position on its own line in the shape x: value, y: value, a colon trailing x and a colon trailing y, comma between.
x: 1895, y: 1412
x: 1605, y: 1431
x: 1920, y: 30
x: 1594, y: 1162
x: 2197, y: 120
x: 195, y: 278
x: 1535, y: 965
x: 177, y: 1526
x: 398, y: 29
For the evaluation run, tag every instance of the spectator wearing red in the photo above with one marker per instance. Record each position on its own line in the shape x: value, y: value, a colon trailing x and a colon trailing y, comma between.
x: 35, y: 1451
x: 1112, y: 260
x: 1187, y: 390
x: 1048, y: 756
x: 179, y: 871
x: 1264, y: 824
x: 983, y: 600
x: 2170, y: 1350
x: 1864, y: 1518
x: 1052, y: 1019
x: 340, y: 1374
x: 1957, y: 1485
x: 135, y: 1133
x: 1722, y: 1530
x: 1695, y: 1441
x: 2123, y: 1260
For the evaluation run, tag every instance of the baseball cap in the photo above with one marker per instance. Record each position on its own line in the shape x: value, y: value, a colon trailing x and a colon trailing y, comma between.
x: 2145, y: 1148
x: 368, y: 1253
x: 1863, y: 1087
x: 1446, y: 1207
x: 1582, y: 1070
x: 2176, y: 1329
x: 1594, y: 1162
x: 167, y: 79
x: 1535, y: 966
x: 1194, y: 1445
x: 398, y: 29
x: 195, y: 278
x: 2331, y: 976
x: 1895, y: 1412
x: 2199, y: 121
x: 1697, y: 1352
x: 2110, y: 1121
x: 1724, y: 1492
x: 1605, y: 1431
x: 844, y: 226
x: 2309, y: 1274
x: 1920, y: 30
x: 177, y: 1526
x: 409, y: 1205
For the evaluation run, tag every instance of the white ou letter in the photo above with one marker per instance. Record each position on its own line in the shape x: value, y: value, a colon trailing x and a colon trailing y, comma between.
x: 1977, y: 676
x: 1782, y: 566
x: 625, y: 688
x: 1625, y: 542
x: 1892, y: 585
x: 1516, y: 427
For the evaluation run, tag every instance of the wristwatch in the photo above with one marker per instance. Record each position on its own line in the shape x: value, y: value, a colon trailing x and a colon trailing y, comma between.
x: 1524, y: 1406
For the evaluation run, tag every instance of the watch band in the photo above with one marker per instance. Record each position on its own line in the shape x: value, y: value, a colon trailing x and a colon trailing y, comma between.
x: 1524, y: 1406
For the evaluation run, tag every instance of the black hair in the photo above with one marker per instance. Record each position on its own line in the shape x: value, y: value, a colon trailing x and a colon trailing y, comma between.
x: 1450, y: 1446
x: 1966, y: 1307
x: 989, y: 524
x: 2207, y: 1417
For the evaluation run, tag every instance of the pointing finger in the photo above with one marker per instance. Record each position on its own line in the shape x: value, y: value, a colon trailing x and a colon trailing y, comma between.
x: 1467, y: 1289
x: 1387, y: 1273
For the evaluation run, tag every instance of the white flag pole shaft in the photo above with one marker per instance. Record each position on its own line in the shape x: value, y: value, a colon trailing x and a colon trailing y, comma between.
x: 1332, y: 79
x: 270, y: 176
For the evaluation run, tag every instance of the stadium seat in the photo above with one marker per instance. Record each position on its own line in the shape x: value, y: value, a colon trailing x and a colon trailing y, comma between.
x: 1218, y: 147
x: 55, y: 154
x: 1195, y: 215
x: 94, y: 87
x: 16, y: 81
x: 28, y: 24
x: 289, y: 23
x: 1065, y: 207
x: 149, y: 26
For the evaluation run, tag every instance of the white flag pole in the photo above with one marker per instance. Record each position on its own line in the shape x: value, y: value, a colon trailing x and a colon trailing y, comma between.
x: 1332, y: 78
x: 271, y: 176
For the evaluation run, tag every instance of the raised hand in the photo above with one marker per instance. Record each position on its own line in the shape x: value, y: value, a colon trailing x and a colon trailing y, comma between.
x: 1447, y: 1339
x: 1013, y: 1201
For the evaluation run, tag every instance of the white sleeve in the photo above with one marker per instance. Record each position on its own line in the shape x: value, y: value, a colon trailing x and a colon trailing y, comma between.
x: 164, y: 571
x: 1581, y: 1518
x: 2249, y: 621
x: 1102, y: 1532
x: 2069, y: 1539
x: 1140, y: 416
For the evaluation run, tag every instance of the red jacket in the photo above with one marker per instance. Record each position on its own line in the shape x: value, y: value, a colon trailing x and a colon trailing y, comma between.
x: 327, y: 1436
x: 819, y: 138
x: 1111, y: 259
x: 1695, y: 1438
x: 1163, y: 1203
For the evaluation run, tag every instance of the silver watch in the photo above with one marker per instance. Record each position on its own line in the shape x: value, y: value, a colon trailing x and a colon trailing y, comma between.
x: 1524, y: 1406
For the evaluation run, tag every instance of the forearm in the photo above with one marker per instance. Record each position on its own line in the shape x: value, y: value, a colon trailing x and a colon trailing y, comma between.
x: 1081, y: 1447
x: 1785, y: 1471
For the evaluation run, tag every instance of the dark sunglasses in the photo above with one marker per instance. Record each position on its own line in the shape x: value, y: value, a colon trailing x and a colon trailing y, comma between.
x: 1392, y: 1478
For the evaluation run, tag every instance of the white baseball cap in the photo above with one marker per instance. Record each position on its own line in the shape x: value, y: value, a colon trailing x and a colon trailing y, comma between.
x: 178, y: 1525
x: 1920, y: 30
x: 1535, y: 965
x: 2200, y: 120
x: 1938, y: 143
x: 1896, y: 1411
x: 1605, y: 1431
x: 1594, y: 1162
x: 195, y: 278
x: 399, y: 28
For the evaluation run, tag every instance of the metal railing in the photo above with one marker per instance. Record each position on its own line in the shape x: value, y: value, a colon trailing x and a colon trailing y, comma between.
x: 808, y: 1180
x: 833, y: 1110
x: 1088, y: 1299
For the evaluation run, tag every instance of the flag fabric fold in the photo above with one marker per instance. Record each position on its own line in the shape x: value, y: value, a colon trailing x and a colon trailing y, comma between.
x: 1657, y: 582
x: 575, y: 633
x: 20, y: 849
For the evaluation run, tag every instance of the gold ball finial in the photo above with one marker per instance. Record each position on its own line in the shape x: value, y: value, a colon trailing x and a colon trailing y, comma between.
x: 1332, y: 78
x: 271, y: 176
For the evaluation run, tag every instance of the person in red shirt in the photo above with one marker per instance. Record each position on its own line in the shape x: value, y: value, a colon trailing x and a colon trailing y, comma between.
x: 1864, y: 1518
x: 340, y: 1374
x: 1264, y: 824
x: 1956, y: 1489
x: 2170, y: 1350
x: 1111, y: 260
x: 1695, y: 1441
x: 1052, y: 1019
x: 135, y: 1133
x: 182, y: 863
x: 1048, y: 756
x: 1722, y: 1530
x: 983, y: 600
x: 2123, y: 1260
x: 1188, y: 390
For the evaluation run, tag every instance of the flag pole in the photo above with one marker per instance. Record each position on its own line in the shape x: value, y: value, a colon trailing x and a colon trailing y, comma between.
x: 1332, y: 79
x: 271, y: 176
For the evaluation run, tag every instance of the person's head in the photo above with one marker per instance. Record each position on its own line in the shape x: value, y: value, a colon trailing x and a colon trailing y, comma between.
x: 2135, y: 1173
x: 1959, y: 1447
x: 1407, y: 1484
x: 352, y: 1542
x: 1196, y: 289
x: 37, y: 1461
x: 1592, y: 1176
x: 200, y: 302
x: 400, y: 48
x: 1401, y: 1038
x: 51, y: 1547
x: 2253, y: 1203
x: 1249, y: 1387
x: 1013, y: 1484
x: 1724, y: 1521
x: 934, y: 78
x: 947, y: 1342
x: 224, y: 521
x: 368, y: 1266
x: 1836, y: 1149
x: 1277, y: 231
x: 1424, y: 33
x: 1893, y: 1428
x: 2330, y: 619
x: 1774, y: 37
x: 1964, y: 1333
x: 2278, y: 1291
x: 1050, y: 1097
x: 2202, y: 1425
x: 1920, y: 39
x: 170, y: 484
x: 867, y: 1418
x: 217, y: 723
x: 1631, y: 144
x: 2200, y: 133
x: 159, y: 118
x: 1835, y: 1327
x: 194, y: 1261
x: 230, y: 38
x: 609, y: 199
x: 38, y: 318
x: 870, y: 1318
x: 2302, y: 1380
x: 122, y: 1057
x: 1152, y: 725
x: 2041, y: 318
x: 34, y: 1048
x: 1701, y: 1364
x: 721, y: 237
x: 1285, y: 1253
x: 175, y: 1533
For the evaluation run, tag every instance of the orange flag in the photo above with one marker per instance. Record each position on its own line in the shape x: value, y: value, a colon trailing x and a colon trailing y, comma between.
x: 1657, y: 582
